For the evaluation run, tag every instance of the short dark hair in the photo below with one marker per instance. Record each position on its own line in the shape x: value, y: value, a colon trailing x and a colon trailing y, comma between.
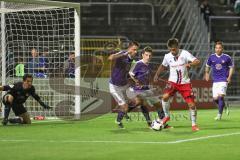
x: 27, y: 76
x: 218, y: 43
x: 133, y: 43
x: 148, y: 49
x: 172, y: 43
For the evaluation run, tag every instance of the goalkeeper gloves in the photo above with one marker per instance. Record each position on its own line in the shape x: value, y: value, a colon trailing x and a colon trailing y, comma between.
x: 45, y: 106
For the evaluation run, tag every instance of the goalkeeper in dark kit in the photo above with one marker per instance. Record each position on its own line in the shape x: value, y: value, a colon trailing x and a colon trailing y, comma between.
x: 16, y: 97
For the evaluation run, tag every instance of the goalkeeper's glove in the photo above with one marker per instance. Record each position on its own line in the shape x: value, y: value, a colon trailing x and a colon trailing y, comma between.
x: 45, y: 106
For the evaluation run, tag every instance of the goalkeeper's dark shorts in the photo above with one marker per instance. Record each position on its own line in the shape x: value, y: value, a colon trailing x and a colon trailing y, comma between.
x: 18, y: 109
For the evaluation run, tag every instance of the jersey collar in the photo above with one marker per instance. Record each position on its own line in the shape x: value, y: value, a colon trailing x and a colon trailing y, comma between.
x: 179, y: 53
x: 218, y: 55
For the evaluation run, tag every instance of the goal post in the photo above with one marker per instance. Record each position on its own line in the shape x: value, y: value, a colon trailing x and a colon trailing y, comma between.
x: 41, y: 36
x: 77, y: 64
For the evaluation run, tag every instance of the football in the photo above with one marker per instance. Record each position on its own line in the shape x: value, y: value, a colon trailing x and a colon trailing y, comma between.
x: 156, y: 125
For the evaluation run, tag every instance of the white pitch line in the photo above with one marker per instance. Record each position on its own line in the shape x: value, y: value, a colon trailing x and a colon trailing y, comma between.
x: 122, y: 142
x: 206, y: 137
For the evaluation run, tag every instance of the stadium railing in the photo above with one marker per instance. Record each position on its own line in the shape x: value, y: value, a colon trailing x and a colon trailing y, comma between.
x: 110, y: 4
x: 188, y: 24
x: 166, y: 6
x: 225, y: 28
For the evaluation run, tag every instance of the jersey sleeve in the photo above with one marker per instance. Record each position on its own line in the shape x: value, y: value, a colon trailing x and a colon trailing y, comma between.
x: 189, y: 56
x: 165, y: 62
x: 230, y: 62
x: 209, y: 62
x: 34, y: 94
x: 6, y: 88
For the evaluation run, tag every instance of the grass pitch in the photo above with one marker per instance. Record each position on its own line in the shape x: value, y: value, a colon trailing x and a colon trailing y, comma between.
x: 101, y: 139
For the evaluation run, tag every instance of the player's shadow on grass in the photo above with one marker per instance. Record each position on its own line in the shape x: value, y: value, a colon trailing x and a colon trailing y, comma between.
x: 143, y: 129
x: 41, y: 124
x: 179, y: 130
x: 220, y: 127
x: 120, y: 131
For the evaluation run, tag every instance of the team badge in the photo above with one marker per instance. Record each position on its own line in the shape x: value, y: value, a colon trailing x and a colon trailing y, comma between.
x: 218, y: 66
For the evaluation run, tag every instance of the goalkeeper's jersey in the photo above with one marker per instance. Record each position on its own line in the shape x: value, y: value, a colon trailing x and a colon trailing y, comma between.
x: 20, y: 94
x: 178, y: 70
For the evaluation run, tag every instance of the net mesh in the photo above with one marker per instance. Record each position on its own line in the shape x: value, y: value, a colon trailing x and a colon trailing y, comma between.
x: 40, y: 41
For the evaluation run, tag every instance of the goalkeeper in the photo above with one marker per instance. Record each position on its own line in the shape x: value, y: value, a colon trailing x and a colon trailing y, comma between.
x: 16, y: 97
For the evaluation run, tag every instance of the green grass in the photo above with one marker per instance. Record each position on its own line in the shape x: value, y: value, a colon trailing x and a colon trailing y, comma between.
x: 100, y: 139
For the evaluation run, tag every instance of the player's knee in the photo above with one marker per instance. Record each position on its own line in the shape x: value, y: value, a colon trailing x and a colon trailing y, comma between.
x: 124, y: 107
x: 165, y: 97
x: 158, y: 105
x: 215, y: 98
x: 9, y: 99
x: 138, y: 101
x: 192, y: 105
x: 26, y: 118
x: 27, y: 121
x: 220, y: 96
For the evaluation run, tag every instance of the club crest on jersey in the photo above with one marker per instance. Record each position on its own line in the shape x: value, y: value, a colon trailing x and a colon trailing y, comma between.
x: 223, y: 61
x: 218, y: 66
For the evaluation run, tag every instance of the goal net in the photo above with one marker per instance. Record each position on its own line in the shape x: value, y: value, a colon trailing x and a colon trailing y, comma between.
x: 43, y: 39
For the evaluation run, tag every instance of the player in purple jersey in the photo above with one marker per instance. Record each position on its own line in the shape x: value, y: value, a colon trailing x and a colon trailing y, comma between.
x: 222, y: 71
x: 119, y: 78
x: 142, y: 93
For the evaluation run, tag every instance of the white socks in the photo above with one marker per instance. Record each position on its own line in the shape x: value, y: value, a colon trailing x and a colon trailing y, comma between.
x: 166, y: 106
x: 193, y: 115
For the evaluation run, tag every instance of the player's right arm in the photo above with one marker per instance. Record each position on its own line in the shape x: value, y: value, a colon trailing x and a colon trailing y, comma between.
x: 38, y: 99
x: 207, y: 74
x: 117, y: 55
x: 5, y: 88
x: 161, y: 68
x: 133, y: 72
x: 207, y: 70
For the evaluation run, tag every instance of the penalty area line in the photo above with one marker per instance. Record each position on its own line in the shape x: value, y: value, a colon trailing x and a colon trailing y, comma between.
x: 122, y: 142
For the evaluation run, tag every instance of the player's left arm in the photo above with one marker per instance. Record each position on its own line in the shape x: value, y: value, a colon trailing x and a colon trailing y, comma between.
x: 37, y: 98
x: 193, y: 60
x: 231, y: 70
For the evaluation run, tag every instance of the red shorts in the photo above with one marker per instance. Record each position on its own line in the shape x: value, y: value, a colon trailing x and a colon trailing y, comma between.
x: 184, y: 89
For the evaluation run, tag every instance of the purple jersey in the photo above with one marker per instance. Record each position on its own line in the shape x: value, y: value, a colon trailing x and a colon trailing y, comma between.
x: 220, y: 67
x: 142, y: 72
x: 119, y: 75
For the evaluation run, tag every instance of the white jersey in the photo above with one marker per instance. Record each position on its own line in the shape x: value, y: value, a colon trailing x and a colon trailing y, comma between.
x: 178, y: 70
